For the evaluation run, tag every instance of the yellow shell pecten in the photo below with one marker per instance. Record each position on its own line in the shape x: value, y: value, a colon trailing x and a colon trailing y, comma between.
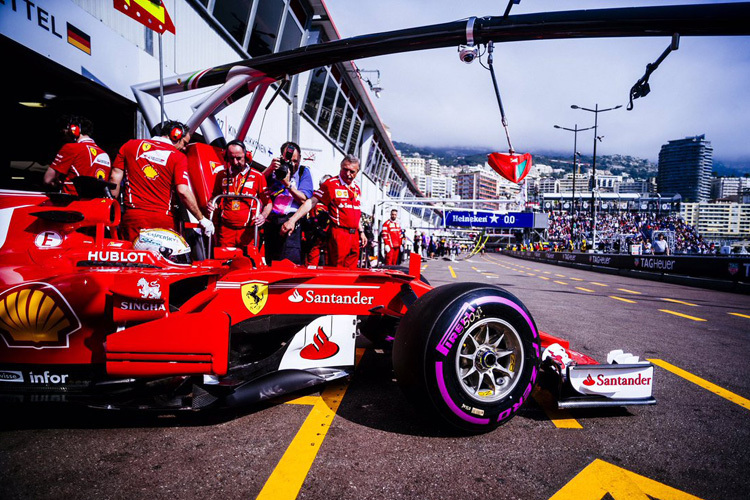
x: 150, y: 172
x: 33, y: 315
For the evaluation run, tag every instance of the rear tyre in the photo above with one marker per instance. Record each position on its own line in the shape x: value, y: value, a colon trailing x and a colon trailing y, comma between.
x: 467, y: 354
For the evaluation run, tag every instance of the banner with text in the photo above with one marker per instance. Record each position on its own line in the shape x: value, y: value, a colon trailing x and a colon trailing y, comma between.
x: 469, y: 218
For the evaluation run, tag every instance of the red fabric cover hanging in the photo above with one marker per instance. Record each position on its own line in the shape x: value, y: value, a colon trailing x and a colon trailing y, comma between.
x: 513, y: 167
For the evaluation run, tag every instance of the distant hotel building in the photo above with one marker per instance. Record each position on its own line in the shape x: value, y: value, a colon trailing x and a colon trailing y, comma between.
x: 478, y: 184
x: 415, y: 165
x: 723, y: 188
x: 638, y: 186
x: 436, y: 186
x: 718, y: 220
x: 685, y: 168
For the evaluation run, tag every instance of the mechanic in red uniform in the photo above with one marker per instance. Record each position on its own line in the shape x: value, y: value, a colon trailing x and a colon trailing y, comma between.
x: 237, y: 223
x: 392, y: 239
x: 315, y: 238
x: 150, y: 169
x: 80, y: 156
x: 341, y: 195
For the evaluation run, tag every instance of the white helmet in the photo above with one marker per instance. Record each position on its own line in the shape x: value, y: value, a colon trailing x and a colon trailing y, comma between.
x: 164, y: 242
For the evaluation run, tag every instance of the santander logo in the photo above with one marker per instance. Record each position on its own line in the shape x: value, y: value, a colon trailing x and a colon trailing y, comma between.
x: 313, y: 297
x: 321, y: 348
x: 295, y: 297
x: 601, y: 380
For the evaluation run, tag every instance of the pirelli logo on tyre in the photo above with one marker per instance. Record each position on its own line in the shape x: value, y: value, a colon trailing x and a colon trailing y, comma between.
x: 465, y: 318
x: 36, y: 315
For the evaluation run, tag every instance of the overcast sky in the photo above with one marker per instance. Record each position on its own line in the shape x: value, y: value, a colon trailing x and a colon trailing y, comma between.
x: 430, y: 98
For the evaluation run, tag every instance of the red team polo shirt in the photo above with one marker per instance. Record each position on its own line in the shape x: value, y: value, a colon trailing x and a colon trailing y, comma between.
x: 343, y: 202
x: 391, y: 233
x: 151, y: 167
x: 238, y: 213
x: 82, y: 158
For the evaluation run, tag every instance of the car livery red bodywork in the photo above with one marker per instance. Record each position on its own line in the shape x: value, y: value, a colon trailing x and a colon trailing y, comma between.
x: 87, y: 318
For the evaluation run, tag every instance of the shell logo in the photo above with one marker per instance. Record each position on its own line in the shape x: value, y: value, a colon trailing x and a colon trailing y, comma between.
x: 36, y: 315
x: 150, y: 172
x: 100, y: 174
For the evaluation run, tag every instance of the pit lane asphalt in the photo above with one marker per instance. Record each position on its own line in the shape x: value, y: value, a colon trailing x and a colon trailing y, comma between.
x: 693, y: 440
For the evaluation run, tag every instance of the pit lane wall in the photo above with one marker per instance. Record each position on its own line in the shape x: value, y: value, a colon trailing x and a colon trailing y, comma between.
x: 725, y: 272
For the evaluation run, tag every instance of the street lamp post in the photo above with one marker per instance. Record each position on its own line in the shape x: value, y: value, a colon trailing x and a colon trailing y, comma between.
x: 575, y: 131
x: 596, y: 112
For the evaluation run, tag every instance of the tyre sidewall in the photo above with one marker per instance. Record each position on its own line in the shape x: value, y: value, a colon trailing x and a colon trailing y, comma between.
x: 442, y: 348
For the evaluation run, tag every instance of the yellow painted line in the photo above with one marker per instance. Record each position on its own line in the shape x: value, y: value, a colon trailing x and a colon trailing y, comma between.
x: 538, y: 270
x: 424, y: 267
x: 561, y: 282
x: 740, y: 315
x: 531, y: 274
x: 544, y: 278
x: 304, y: 400
x: 629, y: 291
x: 603, y: 480
x: 682, y: 315
x: 560, y: 418
x: 576, y: 279
x: 597, y: 283
x: 680, y: 302
x: 547, y: 272
x: 453, y: 273
x: 584, y: 289
x: 729, y: 396
x: 623, y: 300
x: 560, y: 275
x: 287, y: 478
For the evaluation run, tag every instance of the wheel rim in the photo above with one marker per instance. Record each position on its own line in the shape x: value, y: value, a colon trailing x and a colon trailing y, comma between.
x: 490, y: 360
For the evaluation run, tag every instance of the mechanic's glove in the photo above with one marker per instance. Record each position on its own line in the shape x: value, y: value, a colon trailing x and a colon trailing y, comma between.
x: 207, y: 225
x: 387, y: 249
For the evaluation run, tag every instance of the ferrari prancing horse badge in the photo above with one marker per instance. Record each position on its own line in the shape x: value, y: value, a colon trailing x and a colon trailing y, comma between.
x: 254, y: 296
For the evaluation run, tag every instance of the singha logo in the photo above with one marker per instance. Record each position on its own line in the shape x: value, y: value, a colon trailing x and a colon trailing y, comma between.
x: 149, y: 290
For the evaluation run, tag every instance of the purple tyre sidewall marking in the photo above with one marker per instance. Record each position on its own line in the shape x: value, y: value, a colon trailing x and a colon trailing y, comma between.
x: 454, y: 408
x: 439, y: 365
x: 500, y: 300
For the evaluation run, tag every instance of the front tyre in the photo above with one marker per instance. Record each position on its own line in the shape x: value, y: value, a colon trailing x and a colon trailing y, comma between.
x: 468, y: 355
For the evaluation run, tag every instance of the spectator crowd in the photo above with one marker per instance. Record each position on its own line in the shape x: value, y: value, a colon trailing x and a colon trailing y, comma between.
x: 630, y: 228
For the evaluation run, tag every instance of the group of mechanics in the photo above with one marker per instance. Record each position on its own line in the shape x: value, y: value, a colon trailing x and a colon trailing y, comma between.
x: 146, y: 174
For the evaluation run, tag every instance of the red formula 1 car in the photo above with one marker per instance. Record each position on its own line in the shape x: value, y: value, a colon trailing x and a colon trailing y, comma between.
x: 88, y: 318
x: 95, y: 320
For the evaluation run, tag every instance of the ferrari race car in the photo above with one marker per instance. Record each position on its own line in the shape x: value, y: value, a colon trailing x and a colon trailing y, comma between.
x: 87, y: 318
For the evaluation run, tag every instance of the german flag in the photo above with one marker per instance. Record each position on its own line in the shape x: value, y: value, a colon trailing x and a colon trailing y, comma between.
x: 79, y: 39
